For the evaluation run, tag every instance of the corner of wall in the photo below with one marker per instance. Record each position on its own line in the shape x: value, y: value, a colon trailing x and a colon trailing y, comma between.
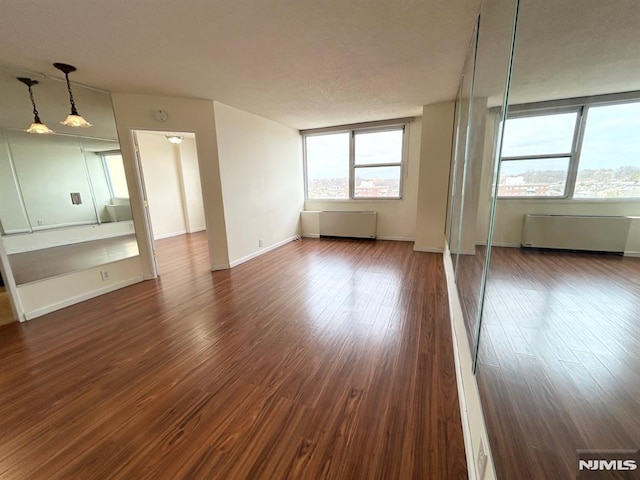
x: 433, y: 188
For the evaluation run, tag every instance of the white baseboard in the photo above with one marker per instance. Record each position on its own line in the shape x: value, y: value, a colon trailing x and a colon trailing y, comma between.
x: 465, y: 251
x: 506, y: 244
x: 170, y: 234
x: 483, y: 243
x: 395, y: 239
x: 473, y: 425
x: 378, y: 237
x: 149, y: 276
x: 262, y: 251
x: 631, y: 253
x: 81, y: 298
x: 420, y: 248
x: 196, y: 230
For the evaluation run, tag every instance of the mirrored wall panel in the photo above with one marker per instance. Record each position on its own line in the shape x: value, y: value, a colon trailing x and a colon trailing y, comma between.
x: 480, y: 112
x: 64, y: 200
x: 459, y: 152
x: 559, y: 350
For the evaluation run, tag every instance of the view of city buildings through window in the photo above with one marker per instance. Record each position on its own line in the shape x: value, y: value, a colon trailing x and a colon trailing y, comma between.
x: 376, y: 167
x: 537, y: 154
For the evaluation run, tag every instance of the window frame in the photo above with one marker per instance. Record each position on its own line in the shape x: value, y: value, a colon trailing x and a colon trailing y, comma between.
x: 573, y: 154
x: 554, y: 107
x: 353, y: 130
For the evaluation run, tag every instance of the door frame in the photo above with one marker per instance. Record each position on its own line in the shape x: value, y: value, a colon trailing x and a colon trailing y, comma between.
x: 144, y: 205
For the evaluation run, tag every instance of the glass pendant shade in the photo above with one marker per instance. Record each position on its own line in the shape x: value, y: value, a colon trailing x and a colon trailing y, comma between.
x: 75, y: 121
x: 38, y: 128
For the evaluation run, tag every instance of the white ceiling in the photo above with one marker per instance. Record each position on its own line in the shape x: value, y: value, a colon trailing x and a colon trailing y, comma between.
x: 305, y: 63
x: 575, y: 48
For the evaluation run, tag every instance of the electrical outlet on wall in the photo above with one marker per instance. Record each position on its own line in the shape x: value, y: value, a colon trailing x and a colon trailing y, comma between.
x: 104, y: 275
x: 481, y: 461
x: 261, y: 243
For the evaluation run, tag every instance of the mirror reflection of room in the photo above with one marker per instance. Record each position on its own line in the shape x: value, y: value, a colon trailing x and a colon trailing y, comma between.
x: 65, y: 202
x: 560, y: 338
x: 478, y: 113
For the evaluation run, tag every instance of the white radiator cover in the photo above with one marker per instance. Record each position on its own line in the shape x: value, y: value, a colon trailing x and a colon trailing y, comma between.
x: 576, y: 232
x: 348, y: 224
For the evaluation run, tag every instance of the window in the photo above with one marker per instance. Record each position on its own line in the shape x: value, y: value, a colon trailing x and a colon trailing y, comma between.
x: 543, y: 154
x: 359, y: 163
x: 114, y: 166
x: 536, y: 154
x: 610, y: 159
x: 328, y: 166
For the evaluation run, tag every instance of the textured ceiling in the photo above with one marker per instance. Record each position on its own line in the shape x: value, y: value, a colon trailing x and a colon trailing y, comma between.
x: 303, y: 63
x: 569, y: 48
x: 317, y: 63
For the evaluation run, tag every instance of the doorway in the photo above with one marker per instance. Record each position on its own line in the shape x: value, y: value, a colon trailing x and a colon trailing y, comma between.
x: 168, y: 163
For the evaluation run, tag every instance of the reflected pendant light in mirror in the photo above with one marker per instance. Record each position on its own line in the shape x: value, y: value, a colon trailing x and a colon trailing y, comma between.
x: 37, y: 126
x: 74, y: 119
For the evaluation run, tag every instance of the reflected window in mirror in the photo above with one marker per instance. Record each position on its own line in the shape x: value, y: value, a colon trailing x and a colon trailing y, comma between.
x: 610, y: 161
x: 544, y: 154
x: 114, y: 166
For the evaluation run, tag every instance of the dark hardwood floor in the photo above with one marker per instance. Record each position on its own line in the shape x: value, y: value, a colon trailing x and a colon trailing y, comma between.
x: 321, y: 359
x: 50, y: 262
x: 559, y: 364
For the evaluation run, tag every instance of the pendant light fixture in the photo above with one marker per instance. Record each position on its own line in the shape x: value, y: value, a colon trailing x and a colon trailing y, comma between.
x: 74, y: 119
x: 175, y: 138
x: 37, y: 126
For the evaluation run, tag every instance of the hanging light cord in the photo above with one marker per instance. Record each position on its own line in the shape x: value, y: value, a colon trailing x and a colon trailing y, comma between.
x: 73, y: 104
x: 35, y: 110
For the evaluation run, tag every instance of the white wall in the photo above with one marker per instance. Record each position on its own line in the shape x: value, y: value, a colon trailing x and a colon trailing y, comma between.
x: 172, y: 182
x: 396, y: 218
x: 40, y: 298
x: 12, y: 217
x: 136, y: 112
x: 435, y: 158
x: 191, y: 187
x: 261, y: 170
x: 161, y: 167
